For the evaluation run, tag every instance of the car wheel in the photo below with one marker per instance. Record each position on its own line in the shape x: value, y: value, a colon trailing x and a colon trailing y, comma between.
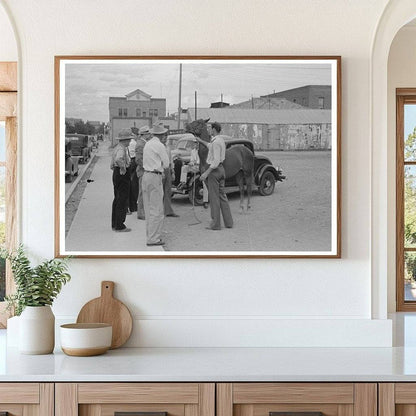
x: 267, y: 183
x: 196, y: 193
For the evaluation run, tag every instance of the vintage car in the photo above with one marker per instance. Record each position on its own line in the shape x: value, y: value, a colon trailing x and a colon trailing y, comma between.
x: 265, y: 174
x: 181, y: 145
x: 71, y: 164
x: 79, y: 145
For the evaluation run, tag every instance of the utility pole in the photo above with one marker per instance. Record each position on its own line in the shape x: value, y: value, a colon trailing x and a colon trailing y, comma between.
x: 196, y: 106
x: 180, y: 96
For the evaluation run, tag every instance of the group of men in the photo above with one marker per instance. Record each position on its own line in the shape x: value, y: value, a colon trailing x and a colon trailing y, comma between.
x: 152, y: 168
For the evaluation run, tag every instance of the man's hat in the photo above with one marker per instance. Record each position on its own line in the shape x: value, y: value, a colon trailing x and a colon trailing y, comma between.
x: 125, y: 134
x: 158, y: 129
x: 144, y: 130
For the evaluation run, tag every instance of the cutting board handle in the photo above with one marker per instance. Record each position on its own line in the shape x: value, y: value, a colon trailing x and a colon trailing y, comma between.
x: 107, y: 289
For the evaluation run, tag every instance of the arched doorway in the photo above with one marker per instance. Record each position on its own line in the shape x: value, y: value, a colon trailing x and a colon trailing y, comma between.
x: 396, y: 14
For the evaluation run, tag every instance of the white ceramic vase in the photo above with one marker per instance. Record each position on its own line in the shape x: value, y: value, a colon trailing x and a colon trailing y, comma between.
x: 37, y: 330
x: 13, y: 331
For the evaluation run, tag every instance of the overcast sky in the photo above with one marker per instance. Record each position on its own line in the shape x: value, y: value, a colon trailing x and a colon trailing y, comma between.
x: 88, y: 85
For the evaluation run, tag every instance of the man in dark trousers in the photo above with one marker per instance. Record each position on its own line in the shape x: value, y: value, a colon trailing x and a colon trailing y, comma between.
x: 216, y: 181
x: 120, y: 162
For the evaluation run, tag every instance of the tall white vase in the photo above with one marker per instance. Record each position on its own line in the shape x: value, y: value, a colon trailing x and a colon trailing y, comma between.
x: 37, y: 330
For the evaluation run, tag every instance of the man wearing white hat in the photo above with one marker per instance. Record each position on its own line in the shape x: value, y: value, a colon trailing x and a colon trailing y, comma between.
x: 155, y: 161
x: 144, y: 135
x: 120, y: 162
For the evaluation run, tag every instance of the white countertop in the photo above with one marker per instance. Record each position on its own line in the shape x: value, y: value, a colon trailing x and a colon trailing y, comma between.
x: 213, y: 364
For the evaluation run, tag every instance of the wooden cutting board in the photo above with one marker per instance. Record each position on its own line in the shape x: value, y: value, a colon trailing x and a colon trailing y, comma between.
x: 107, y: 309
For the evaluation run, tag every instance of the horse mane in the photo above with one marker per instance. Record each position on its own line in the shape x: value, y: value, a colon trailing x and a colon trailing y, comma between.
x: 199, y: 128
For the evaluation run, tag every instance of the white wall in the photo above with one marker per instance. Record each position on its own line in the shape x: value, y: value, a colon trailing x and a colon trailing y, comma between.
x: 211, y: 302
x: 401, y: 74
x: 8, y: 47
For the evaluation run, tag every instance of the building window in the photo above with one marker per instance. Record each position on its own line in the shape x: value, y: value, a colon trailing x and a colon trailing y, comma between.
x: 125, y: 112
x: 150, y: 113
x: 138, y: 112
x: 406, y: 200
x: 120, y: 112
x: 144, y: 114
x: 155, y: 112
x: 321, y: 103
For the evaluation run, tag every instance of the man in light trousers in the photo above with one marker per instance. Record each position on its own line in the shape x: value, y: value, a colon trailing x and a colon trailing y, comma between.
x: 155, y: 161
x: 144, y: 135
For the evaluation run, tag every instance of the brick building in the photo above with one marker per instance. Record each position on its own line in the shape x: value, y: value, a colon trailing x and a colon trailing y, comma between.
x: 135, y: 109
x: 310, y: 96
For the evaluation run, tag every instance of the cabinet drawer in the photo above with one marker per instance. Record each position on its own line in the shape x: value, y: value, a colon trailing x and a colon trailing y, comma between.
x: 21, y: 399
x: 107, y: 399
x: 397, y: 399
x: 296, y: 399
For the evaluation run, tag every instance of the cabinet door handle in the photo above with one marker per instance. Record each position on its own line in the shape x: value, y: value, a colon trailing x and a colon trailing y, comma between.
x: 296, y: 414
x: 138, y: 414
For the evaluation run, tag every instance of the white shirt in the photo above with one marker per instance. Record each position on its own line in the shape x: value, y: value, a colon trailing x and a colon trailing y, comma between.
x: 194, y: 159
x: 155, y: 157
x: 216, y: 151
x: 132, y: 148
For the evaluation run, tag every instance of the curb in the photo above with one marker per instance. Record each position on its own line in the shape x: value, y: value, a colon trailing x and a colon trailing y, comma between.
x: 78, y: 178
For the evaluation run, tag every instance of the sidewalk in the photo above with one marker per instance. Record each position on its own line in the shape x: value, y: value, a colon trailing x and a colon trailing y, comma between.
x: 91, y: 228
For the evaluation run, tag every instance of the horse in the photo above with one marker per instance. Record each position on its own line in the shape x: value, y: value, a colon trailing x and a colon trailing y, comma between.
x: 238, y: 163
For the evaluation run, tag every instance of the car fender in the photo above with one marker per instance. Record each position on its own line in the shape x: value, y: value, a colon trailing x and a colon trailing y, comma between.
x: 262, y: 169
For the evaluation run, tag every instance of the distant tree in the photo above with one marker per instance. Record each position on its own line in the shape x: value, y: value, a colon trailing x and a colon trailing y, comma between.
x: 410, y: 205
x: 89, y: 128
x: 79, y: 127
x: 410, y: 209
x: 410, y: 146
x: 69, y: 128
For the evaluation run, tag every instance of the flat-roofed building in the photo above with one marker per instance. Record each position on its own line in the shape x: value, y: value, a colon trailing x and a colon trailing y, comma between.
x: 311, y: 96
x: 289, y: 129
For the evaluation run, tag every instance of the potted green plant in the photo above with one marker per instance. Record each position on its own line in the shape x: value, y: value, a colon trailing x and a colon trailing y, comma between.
x: 36, y: 289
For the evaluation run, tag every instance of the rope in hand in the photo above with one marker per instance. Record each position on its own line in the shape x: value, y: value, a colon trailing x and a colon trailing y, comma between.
x: 193, y: 206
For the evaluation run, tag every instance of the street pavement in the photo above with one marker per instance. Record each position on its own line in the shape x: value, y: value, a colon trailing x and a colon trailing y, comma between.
x: 91, y: 227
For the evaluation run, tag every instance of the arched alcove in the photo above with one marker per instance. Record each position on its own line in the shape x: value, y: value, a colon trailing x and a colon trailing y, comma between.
x: 396, y: 14
x: 8, y: 44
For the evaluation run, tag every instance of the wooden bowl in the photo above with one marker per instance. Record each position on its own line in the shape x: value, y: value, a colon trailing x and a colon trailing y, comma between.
x: 84, y: 340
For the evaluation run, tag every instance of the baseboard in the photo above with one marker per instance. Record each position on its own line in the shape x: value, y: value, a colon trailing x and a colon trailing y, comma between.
x: 258, y: 332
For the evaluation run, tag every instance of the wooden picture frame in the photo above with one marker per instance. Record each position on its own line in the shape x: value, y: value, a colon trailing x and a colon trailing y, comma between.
x: 287, y: 109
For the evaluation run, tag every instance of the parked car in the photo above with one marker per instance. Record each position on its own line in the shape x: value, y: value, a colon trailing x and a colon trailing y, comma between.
x: 181, y: 145
x: 265, y: 174
x: 94, y: 141
x: 71, y: 164
x: 79, y: 145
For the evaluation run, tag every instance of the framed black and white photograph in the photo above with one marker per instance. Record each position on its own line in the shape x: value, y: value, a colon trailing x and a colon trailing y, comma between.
x: 198, y: 156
